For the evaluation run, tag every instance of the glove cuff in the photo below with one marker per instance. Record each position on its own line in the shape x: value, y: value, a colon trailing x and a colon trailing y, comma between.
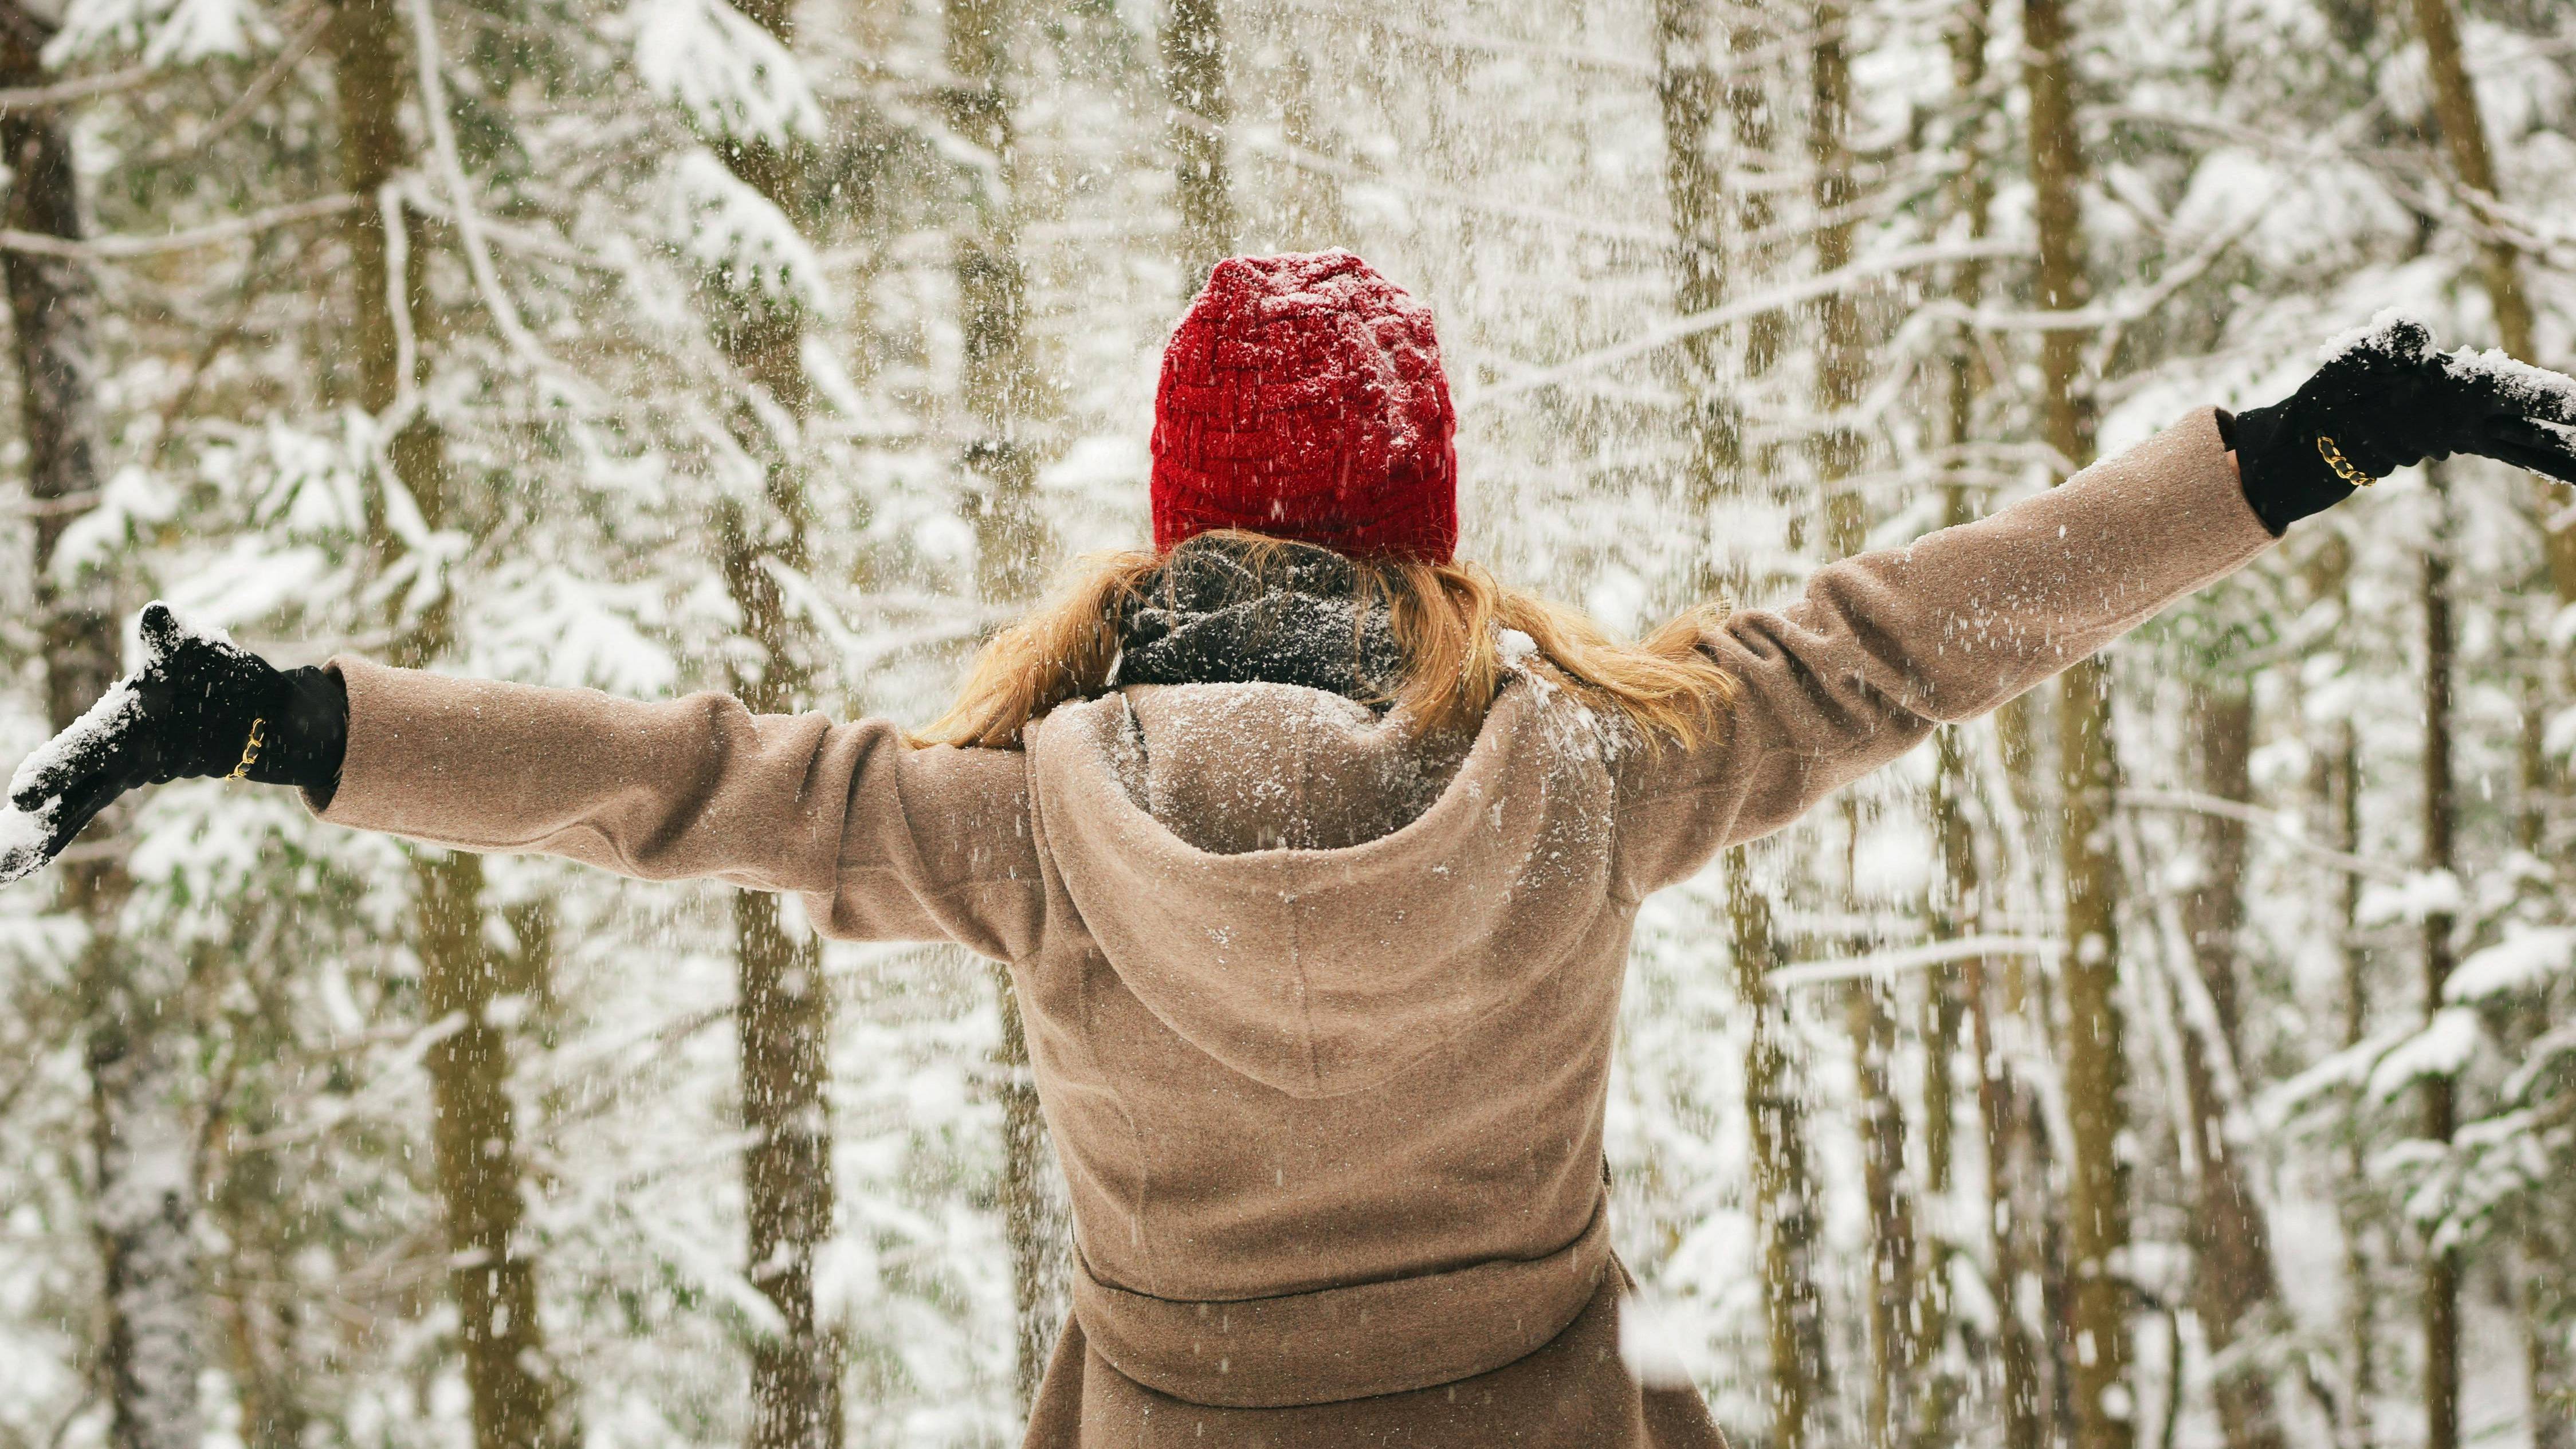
x: 2284, y: 477
x: 307, y: 732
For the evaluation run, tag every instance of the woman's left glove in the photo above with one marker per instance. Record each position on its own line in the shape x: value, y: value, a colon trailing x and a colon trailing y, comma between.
x: 200, y: 705
x: 2387, y: 400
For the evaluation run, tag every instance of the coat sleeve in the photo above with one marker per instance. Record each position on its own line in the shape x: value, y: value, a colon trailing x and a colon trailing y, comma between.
x: 885, y: 841
x: 1882, y: 647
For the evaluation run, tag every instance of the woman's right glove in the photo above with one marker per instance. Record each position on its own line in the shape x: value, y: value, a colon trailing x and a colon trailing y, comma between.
x: 200, y: 705
x: 2387, y: 400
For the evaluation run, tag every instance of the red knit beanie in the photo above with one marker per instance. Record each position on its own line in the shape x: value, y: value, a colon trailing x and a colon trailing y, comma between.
x: 1302, y: 398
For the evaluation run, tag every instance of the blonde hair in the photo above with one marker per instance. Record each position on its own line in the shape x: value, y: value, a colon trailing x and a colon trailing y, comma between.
x: 1446, y: 620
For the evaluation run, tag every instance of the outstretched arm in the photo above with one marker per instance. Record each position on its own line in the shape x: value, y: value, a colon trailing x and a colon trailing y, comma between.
x: 1882, y: 647
x: 886, y: 841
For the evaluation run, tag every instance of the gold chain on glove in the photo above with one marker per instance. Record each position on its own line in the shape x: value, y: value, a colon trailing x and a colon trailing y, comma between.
x: 2335, y: 459
x: 250, y: 750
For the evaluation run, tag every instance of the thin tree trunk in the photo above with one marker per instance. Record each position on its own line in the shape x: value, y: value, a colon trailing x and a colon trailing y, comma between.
x: 1317, y: 216
x: 1748, y: 98
x: 475, y: 1132
x: 1786, y: 1211
x: 2335, y: 784
x: 2546, y: 1355
x: 787, y: 1172
x: 1000, y: 394
x: 2361, y: 1310
x: 1033, y: 1213
x: 1964, y: 893
x: 1939, y: 1384
x: 2008, y: 1160
x: 1841, y: 374
x: 998, y: 385
x: 783, y: 1015
x: 1689, y: 97
x: 1194, y: 79
x: 2440, y: 1101
x: 2096, y: 1064
x: 1785, y: 1206
x: 2464, y: 136
x: 144, y: 1208
x: 2233, y: 1283
x: 475, y: 1135
x: 1891, y: 1289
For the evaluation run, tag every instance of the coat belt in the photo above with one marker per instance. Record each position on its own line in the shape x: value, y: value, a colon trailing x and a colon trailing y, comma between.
x: 1350, y: 1342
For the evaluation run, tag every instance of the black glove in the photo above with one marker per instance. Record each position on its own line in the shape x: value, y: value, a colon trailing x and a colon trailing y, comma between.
x: 199, y: 706
x: 2388, y: 400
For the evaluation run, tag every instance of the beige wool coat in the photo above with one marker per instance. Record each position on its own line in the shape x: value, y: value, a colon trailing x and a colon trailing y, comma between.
x: 1322, y: 1020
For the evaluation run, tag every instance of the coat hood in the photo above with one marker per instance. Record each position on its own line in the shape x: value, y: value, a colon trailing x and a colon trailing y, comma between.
x: 1308, y: 892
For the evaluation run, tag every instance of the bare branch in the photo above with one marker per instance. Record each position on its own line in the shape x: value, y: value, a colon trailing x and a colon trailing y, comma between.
x: 1914, y: 958
x: 1806, y: 289
x: 18, y: 99
x: 258, y: 89
x: 126, y: 248
x: 2195, y: 802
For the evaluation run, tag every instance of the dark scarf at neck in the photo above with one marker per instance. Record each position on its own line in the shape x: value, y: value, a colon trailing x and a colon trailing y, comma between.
x: 1208, y: 616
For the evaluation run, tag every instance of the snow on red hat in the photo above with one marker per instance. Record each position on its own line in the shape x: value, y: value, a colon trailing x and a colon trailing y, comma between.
x: 1302, y: 397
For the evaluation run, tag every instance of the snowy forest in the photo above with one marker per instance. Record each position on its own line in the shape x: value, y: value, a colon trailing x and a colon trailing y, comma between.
x: 2181, y: 1057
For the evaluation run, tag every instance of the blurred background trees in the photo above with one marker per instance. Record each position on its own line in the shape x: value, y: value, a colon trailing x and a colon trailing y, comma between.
x: 2181, y: 1057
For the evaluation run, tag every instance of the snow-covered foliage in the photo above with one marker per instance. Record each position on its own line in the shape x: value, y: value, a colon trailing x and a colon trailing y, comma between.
x: 721, y: 67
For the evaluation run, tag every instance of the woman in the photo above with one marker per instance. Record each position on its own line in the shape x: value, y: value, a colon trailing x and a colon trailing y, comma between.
x: 1313, y: 853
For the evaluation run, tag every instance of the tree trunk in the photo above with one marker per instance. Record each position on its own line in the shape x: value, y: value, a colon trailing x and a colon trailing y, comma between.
x: 1785, y: 1209
x: 1000, y: 395
x: 1034, y: 1217
x: 491, y: 1278
x: 1748, y: 98
x: 1317, y: 217
x: 2361, y: 1312
x: 369, y: 78
x: 1842, y: 363
x: 1890, y: 1292
x: 783, y: 1015
x: 2546, y: 1355
x: 1999, y: 1113
x: 1939, y: 1384
x: 144, y: 1210
x: 2233, y: 1284
x: 1841, y: 374
x: 1194, y: 80
x: 1689, y: 96
x: 475, y: 1134
x: 2095, y: 1052
x: 2440, y: 1104
x: 786, y: 1172
x: 2021, y: 1399
x: 1786, y: 1212
x: 2464, y: 136
x: 999, y: 388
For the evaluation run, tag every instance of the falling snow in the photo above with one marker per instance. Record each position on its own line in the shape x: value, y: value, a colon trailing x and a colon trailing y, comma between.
x: 712, y: 331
